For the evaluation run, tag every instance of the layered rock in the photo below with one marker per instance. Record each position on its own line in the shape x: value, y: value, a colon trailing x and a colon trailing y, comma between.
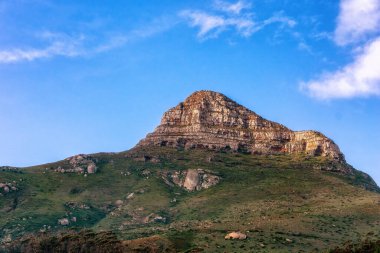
x: 210, y: 120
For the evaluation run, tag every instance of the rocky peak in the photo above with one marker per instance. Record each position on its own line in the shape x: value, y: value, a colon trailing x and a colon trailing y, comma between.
x: 208, y: 119
x: 212, y: 109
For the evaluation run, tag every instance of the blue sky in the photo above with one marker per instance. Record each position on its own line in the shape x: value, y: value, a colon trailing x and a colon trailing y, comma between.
x: 84, y: 77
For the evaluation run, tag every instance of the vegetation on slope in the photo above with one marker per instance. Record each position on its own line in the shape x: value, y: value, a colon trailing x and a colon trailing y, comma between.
x: 282, y: 202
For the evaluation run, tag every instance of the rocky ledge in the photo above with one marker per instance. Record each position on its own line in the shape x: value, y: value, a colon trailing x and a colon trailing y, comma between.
x: 208, y: 119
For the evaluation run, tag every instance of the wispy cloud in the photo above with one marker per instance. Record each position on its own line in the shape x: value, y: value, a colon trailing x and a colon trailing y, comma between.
x: 356, y: 19
x: 212, y: 25
x: 157, y: 26
x: 303, y: 46
x: 358, y: 79
x: 58, y: 45
x: 234, y: 16
x: 232, y: 8
x: 64, y: 45
x: 279, y: 18
x: 115, y: 41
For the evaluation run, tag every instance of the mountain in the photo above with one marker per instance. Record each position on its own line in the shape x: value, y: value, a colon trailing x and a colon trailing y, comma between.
x: 212, y: 170
x: 210, y: 120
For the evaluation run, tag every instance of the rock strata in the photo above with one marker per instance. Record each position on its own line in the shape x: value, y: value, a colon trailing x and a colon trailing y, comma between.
x: 210, y: 120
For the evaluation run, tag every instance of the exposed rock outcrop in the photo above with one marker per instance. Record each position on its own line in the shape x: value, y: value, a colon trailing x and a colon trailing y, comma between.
x: 10, y: 168
x: 192, y: 179
x: 154, y: 218
x: 8, y: 187
x: 75, y: 205
x: 210, y: 120
x: 79, y: 164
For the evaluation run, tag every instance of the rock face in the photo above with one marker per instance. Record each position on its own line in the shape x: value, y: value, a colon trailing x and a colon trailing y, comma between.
x: 192, y: 179
x: 210, y: 120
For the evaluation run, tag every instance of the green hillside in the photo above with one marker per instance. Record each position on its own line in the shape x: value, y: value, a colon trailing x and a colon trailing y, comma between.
x: 283, y: 203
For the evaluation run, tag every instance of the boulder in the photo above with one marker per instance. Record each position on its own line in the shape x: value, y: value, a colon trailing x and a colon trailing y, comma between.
x: 6, y: 189
x: 7, y: 238
x: 64, y: 221
x: 235, y: 236
x: 91, y: 168
x: 191, y: 179
x: 118, y: 202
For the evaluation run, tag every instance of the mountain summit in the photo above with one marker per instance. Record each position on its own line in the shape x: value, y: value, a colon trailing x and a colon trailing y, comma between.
x: 208, y: 119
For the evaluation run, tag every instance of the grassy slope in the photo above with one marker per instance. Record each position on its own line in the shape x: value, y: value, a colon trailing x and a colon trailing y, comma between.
x: 280, y: 202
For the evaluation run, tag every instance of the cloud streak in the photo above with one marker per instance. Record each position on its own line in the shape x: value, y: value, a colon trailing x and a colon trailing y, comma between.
x: 210, y: 26
x: 18, y: 55
x: 233, y: 17
x: 59, y: 44
x: 234, y: 8
x: 361, y: 78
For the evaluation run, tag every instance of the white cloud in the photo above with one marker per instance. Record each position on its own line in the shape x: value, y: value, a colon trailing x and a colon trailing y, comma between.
x: 60, y: 45
x: 305, y: 47
x: 279, y: 18
x: 116, y: 41
x: 211, y: 25
x: 232, y: 8
x: 356, y: 19
x: 17, y: 55
x: 157, y: 26
x: 358, y: 79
